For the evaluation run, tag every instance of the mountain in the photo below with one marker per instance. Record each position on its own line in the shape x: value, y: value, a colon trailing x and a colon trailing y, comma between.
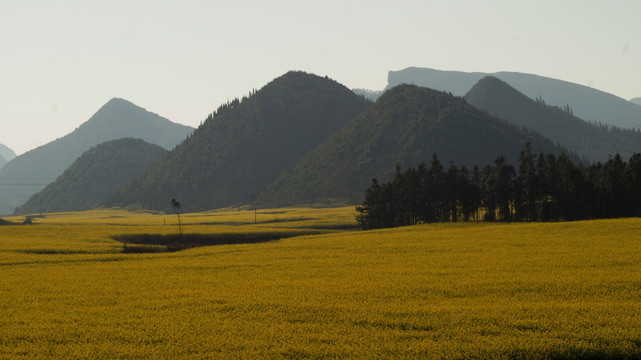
x: 6, y: 154
x: 32, y: 171
x: 587, y: 103
x: 94, y: 176
x: 245, y: 145
x: 636, y: 101
x: 371, y: 95
x: 405, y: 126
x: 456, y: 82
x: 559, y: 125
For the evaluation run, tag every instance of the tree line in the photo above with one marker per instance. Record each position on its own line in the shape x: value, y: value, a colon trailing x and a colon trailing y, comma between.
x: 542, y: 187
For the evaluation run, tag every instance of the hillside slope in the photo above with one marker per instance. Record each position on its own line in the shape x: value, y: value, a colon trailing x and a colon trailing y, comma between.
x: 6, y: 154
x: 246, y: 144
x: 588, y: 103
x: 561, y: 126
x: 405, y: 126
x: 94, y: 176
x: 118, y: 118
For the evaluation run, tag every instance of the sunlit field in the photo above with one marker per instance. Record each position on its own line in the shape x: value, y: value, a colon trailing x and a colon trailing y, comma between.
x: 456, y: 291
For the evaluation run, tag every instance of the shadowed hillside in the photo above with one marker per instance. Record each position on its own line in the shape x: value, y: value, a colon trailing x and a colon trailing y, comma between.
x: 96, y: 174
x: 559, y: 125
x: 406, y: 125
x: 32, y: 171
x: 246, y: 144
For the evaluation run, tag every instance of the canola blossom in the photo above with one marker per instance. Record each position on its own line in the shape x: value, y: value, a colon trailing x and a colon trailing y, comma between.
x: 467, y: 290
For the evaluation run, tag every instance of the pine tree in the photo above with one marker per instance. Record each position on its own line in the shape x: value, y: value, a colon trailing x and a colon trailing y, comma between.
x: 526, y: 189
x: 503, y: 187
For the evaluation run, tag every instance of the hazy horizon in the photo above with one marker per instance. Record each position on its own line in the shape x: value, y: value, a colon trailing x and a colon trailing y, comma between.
x: 62, y: 60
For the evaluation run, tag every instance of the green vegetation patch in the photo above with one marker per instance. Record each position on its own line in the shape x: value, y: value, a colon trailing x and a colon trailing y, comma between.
x: 151, y: 243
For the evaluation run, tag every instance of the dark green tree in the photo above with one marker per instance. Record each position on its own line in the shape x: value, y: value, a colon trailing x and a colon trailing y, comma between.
x: 526, y: 188
x: 488, y: 194
x: 548, y: 189
x: 434, y: 185
x: 504, y: 187
x: 176, y: 206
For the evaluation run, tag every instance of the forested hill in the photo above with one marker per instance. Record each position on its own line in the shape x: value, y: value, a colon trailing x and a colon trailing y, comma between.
x: 557, y: 124
x: 246, y: 144
x: 406, y: 125
x: 32, y: 171
x: 94, y: 176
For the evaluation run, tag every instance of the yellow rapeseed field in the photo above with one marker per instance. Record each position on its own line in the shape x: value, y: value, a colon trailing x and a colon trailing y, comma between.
x: 446, y: 291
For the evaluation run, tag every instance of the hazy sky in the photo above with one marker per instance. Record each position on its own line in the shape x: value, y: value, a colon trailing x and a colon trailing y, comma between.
x: 60, y: 61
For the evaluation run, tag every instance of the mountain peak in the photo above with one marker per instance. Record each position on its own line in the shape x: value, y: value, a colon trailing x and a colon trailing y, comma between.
x: 111, y: 120
x: 588, y: 103
x: 246, y: 144
x: 117, y: 106
x: 295, y: 81
x: 499, y: 90
x: 406, y: 126
x: 117, y: 100
x: 558, y: 124
x: 116, y: 119
x: 7, y: 153
x: 491, y: 80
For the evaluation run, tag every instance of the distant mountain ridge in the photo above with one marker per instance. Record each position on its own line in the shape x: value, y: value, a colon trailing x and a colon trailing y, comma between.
x: 371, y: 95
x: 561, y: 126
x: 636, y: 100
x: 6, y: 154
x: 301, y: 139
x: 118, y: 118
x: 588, y: 104
x: 245, y: 145
x: 405, y: 126
x: 94, y: 176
